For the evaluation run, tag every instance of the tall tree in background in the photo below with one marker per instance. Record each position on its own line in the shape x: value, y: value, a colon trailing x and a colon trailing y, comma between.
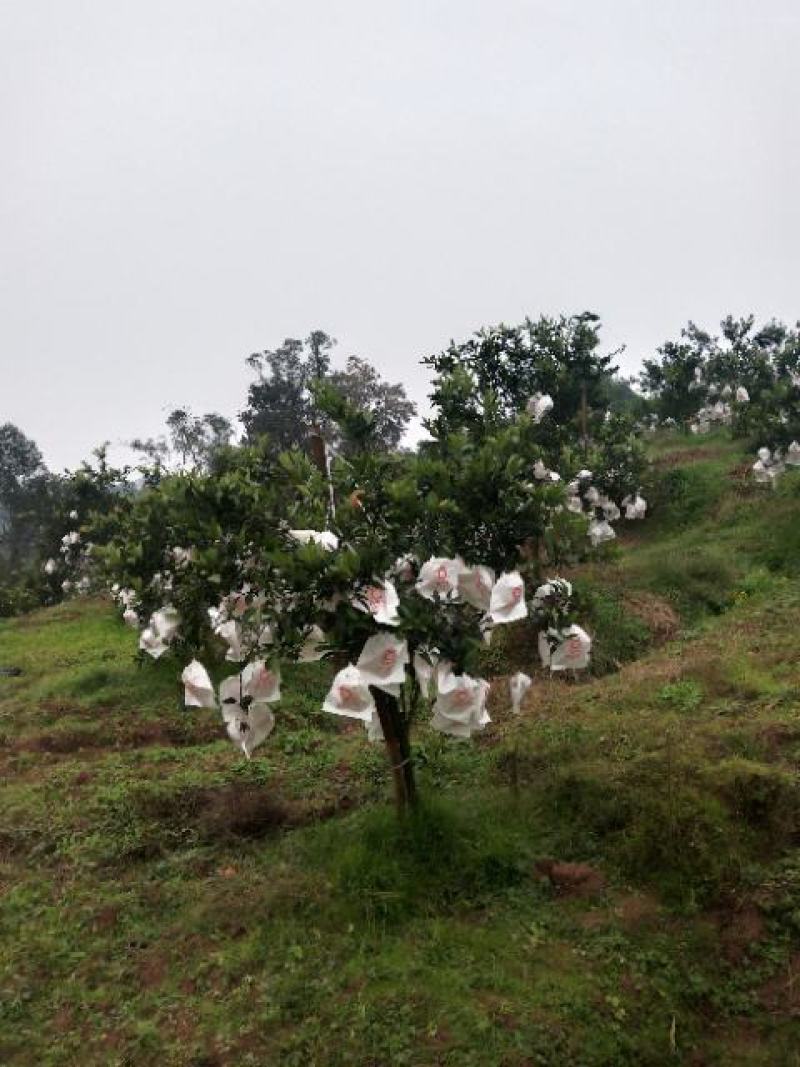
x: 387, y: 404
x: 20, y: 460
x: 281, y: 402
x: 193, y: 443
x: 23, y: 482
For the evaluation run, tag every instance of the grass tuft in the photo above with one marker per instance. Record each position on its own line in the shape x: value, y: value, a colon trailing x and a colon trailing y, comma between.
x: 441, y: 855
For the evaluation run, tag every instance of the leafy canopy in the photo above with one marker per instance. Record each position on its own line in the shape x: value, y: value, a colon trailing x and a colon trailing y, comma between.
x: 489, y: 378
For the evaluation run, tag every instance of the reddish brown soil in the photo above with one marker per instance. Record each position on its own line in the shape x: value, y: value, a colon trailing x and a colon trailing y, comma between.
x: 572, y: 879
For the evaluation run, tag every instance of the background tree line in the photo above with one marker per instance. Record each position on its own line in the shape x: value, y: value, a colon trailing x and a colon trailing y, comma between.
x: 478, y: 386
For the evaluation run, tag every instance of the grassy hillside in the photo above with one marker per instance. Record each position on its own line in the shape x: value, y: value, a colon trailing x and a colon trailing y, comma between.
x: 611, y: 878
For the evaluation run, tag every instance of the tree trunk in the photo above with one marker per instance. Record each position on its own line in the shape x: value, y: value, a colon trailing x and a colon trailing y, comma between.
x: 398, y: 748
x: 584, y: 421
x: 317, y: 449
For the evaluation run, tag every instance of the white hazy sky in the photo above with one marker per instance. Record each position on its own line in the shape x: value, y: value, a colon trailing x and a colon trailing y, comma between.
x: 187, y: 181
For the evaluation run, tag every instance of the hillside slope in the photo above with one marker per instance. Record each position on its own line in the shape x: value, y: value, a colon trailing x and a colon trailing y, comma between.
x: 611, y: 878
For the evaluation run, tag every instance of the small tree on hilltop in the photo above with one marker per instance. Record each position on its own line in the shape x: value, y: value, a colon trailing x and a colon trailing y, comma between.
x: 674, y: 381
x: 490, y: 378
x: 721, y: 379
x: 548, y: 376
x: 773, y: 419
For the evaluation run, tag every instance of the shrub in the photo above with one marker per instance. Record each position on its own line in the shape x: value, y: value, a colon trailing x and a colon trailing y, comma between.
x: 778, y: 539
x: 618, y: 635
x: 16, y: 599
x: 682, y: 839
x: 765, y: 798
x: 685, y: 696
x: 682, y: 496
x: 703, y: 580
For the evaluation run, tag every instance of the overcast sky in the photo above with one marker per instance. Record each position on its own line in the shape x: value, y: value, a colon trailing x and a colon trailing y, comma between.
x: 187, y: 181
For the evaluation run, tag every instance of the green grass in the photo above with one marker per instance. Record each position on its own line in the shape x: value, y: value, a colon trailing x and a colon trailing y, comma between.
x: 611, y: 878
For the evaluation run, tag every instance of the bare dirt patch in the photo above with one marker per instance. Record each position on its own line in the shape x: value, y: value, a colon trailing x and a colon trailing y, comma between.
x: 682, y: 457
x: 596, y: 919
x: 153, y: 971
x: 62, y: 707
x: 63, y: 1021
x: 246, y: 811
x: 637, y: 910
x: 572, y: 879
x: 106, y: 918
x: 137, y: 735
x: 37, y: 620
x: 59, y: 742
x: 649, y: 669
x: 657, y: 615
x: 238, y: 811
x: 776, y: 737
x: 740, y: 931
x: 781, y: 994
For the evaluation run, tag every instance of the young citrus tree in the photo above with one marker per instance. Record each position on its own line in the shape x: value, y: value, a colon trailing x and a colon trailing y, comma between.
x: 421, y: 559
x: 729, y: 379
x: 493, y: 375
x: 548, y: 378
